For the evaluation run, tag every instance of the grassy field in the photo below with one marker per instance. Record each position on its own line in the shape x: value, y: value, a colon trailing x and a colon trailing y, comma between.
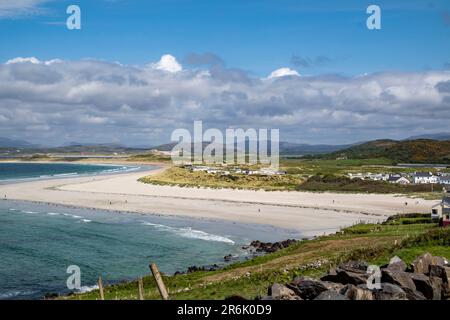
x: 185, y: 177
x: 375, y: 243
x: 303, y: 175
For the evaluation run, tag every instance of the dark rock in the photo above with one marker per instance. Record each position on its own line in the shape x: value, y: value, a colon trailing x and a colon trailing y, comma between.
x: 281, y: 292
x: 439, y: 290
x: 390, y: 291
x: 332, y: 285
x: 330, y: 295
x: 270, y: 247
x: 356, y: 293
x: 442, y: 273
x: 228, y: 257
x: 425, y: 286
x: 307, y: 288
x: 400, y: 278
x: 413, y: 294
x: 347, y: 275
x: 422, y: 263
x: 202, y: 268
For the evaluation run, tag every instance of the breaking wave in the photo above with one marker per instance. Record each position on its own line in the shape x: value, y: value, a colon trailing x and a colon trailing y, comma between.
x: 190, y: 233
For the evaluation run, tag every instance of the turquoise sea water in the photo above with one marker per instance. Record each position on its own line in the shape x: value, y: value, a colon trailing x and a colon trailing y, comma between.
x: 38, y: 243
x: 19, y: 171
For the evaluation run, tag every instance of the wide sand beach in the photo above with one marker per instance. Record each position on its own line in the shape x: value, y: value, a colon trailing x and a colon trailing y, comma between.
x: 310, y: 213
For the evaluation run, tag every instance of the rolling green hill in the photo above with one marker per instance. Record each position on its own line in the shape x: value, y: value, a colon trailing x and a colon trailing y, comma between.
x: 415, y: 151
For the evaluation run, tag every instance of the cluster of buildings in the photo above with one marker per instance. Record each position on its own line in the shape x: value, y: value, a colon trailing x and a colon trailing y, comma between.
x: 235, y: 170
x: 405, y: 178
x: 441, y: 211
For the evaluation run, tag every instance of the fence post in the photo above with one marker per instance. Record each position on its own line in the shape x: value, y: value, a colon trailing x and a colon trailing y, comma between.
x: 140, y: 289
x: 100, y: 288
x: 159, y: 282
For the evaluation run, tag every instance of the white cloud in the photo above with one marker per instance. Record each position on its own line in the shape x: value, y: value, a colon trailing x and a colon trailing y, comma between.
x: 282, y: 72
x: 14, y: 8
x: 79, y: 100
x: 32, y: 60
x: 168, y: 63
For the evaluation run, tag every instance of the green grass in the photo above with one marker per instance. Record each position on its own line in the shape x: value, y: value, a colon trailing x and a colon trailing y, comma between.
x: 375, y: 243
x: 184, y: 177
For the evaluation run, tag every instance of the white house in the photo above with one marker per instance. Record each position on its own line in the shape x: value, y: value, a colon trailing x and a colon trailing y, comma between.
x: 398, y: 179
x: 424, y: 177
x: 444, y: 180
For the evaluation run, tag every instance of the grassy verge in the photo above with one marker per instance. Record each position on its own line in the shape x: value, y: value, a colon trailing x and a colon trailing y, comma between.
x: 375, y: 243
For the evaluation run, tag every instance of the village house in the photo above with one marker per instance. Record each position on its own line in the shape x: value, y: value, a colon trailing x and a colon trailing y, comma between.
x: 441, y: 211
x: 444, y: 179
x: 396, y: 178
x: 425, y: 177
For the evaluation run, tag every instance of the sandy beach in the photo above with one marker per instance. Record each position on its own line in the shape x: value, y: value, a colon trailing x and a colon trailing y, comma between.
x: 312, y: 213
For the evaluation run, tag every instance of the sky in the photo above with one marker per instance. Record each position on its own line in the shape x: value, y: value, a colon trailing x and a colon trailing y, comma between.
x: 137, y: 70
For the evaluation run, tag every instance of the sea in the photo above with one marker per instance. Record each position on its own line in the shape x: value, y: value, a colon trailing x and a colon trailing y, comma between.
x: 40, y: 243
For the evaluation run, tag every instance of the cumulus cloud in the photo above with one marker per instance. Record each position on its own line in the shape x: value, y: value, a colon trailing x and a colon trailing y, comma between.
x: 88, y: 100
x: 283, y: 72
x: 168, y: 63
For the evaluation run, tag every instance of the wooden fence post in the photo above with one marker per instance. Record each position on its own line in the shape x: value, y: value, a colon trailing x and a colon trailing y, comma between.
x: 140, y: 289
x: 100, y: 288
x: 159, y: 282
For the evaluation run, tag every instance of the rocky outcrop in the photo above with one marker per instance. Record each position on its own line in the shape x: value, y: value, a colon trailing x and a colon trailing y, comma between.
x: 428, y: 278
x: 269, y: 247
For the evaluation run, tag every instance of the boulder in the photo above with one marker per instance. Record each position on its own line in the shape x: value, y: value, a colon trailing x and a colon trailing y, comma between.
x: 413, y: 294
x: 442, y: 273
x: 425, y: 285
x: 281, y: 292
x: 439, y: 261
x: 356, y: 293
x: 422, y: 263
x: 348, y: 274
x: 332, y: 285
x: 390, y: 291
x: 396, y: 264
x: 330, y: 295
x: 400, y: 278
x: 307, y: 288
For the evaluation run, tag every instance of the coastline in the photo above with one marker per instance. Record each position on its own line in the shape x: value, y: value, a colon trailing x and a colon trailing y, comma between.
x: 310, y: 213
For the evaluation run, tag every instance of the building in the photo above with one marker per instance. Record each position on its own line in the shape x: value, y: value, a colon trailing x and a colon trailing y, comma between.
x: 394, y: 178
x: 425, y: 177
x: 441, y: 211
x: 444, y: 180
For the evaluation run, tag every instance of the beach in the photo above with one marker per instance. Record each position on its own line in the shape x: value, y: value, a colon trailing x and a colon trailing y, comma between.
x: 312, y: 213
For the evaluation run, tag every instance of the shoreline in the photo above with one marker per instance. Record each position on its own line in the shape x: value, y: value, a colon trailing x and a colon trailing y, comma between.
x: 307, y: 212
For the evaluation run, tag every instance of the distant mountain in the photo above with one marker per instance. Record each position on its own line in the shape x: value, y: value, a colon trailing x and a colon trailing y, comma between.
x: 441, y: 136
x: 289, y: 148
x: 415, y: 151
x: 286, y: 148
x: 12, y: 143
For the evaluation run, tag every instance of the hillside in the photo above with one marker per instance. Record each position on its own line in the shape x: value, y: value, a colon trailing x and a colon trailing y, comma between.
x: 415, y: 151
x: 404, y: 236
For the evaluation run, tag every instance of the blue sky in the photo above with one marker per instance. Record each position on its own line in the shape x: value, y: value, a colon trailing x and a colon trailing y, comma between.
x: 139, y: 69
x: 255, y: 35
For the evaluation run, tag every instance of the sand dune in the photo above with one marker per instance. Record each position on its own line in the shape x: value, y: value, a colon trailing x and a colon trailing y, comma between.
x: 312, y: 213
